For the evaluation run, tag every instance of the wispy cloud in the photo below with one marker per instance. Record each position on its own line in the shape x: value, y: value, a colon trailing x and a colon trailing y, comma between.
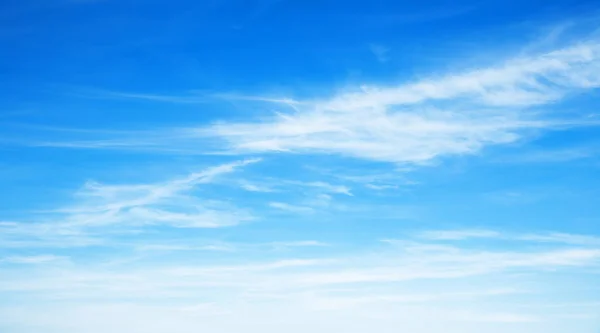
x: 557, y: 237
x: 186, y: 245
x: 546, y: 237
x: 319, y: 198
x: 552, y: 155
x: 456, y: 282
x: 380, y: 52
x: 459, y: 234
x: 325, y: 187
x: 253, y: 187
x: 188, y: 98
x: 384, y: 180
x: 123, y: 207
x: 288, y: 185
x: 157, y: 247
x: 291, y: 208
x: 153, y: 203
x: 309, y: 243
x: 381, y: 187
x: 413, y: 122
x: 275, y: 100
x: 409, y: 260
x: 32, y: 260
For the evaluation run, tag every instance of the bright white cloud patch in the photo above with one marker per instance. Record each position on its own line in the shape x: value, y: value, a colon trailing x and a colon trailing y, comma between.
x: 416, y: 122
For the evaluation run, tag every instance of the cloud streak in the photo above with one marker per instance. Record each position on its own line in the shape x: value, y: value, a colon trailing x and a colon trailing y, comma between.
x: 457, y: 282
x: 411, y: 123
x: 129, y: 207
x: 483, y: 234
x: 414, y: 122
x: 294, y: 278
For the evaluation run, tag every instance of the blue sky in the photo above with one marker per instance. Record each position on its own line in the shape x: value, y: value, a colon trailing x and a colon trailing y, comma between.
x: 269, y: 165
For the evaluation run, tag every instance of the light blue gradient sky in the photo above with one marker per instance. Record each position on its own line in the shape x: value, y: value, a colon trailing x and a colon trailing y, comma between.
x: 267, y: 166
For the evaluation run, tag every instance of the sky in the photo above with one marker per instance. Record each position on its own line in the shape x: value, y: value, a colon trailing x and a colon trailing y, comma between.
x: 299, y: 166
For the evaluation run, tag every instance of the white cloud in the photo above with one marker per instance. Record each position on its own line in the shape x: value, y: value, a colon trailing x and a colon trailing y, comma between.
x: 294, y: 318
x: 556, y: 237
x: 161, y: 203
x: 552, y: 156
x: 291, y: 208
x: 412, y: 123
x: 313, y: 201
x: 382, y: 187
x: 182, y: 245
x: 40, y: 259
x: 546, y: 237
x: 521, y: 81
x: 286, y: 185
x: 127, y: 207
x: 457, y: 284
x: 189, y: 98
x: 452, y: 263
x: 250, y: 187
x: 498, y: 317
x: 459, y: 234
x: 408, y: 260
x: 309, y: 243
x: 325, y: 187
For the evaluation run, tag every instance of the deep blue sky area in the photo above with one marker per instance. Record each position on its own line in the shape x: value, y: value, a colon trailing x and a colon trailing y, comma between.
x: 216, y: 45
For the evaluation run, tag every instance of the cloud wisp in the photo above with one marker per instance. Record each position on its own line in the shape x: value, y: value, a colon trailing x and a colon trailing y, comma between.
x: 415, y: 122
x: 411, y: 123
x: 129, y: 207
x: 451, y: 279
x: 484, y: 234
x: 403, y: 260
